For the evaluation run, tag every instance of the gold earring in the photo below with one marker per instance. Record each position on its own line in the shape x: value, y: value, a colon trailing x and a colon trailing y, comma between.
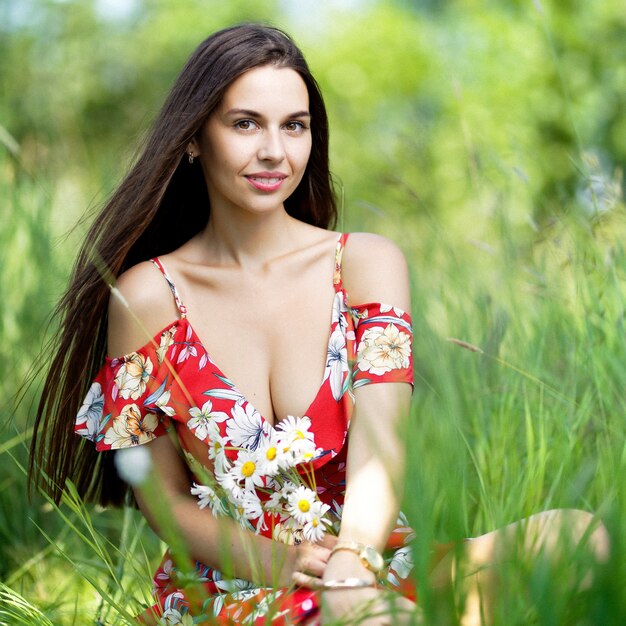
x: 190, y: 157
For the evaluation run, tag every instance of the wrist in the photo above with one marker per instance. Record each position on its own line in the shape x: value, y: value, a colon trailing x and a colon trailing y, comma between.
x: 344, y: 564
x: 370, y: 558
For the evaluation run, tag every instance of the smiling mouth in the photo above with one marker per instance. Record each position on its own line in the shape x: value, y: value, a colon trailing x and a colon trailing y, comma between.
x: 265, y: 180
x: 266, y: 183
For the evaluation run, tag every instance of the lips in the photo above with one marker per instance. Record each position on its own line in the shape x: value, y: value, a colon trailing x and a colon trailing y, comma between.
x: 266, y: 181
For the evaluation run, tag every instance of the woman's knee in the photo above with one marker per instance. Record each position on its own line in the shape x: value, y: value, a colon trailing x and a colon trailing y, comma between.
x: 569, y: 526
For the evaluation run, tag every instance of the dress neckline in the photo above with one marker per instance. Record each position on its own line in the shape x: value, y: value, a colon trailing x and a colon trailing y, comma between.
x: 235, y: 394
x: 191, y: 333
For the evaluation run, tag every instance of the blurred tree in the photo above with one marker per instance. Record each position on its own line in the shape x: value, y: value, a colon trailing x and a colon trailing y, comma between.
x: 433, y: 106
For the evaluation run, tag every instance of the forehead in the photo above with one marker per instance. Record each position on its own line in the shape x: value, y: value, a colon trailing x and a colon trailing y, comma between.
x: 266, y: 89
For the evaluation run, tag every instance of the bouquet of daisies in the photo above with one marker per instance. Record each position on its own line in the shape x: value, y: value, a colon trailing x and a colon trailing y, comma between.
x: 271, y: 482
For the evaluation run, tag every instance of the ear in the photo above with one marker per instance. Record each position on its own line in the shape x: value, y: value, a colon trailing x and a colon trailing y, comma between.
x: 193, y: 148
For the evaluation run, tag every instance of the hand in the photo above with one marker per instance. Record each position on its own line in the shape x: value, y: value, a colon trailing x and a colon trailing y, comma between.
x: 308, y: 561
x: 383, y: 607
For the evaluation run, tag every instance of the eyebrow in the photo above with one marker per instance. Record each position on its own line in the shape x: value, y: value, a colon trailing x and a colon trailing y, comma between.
x: 251, y: 113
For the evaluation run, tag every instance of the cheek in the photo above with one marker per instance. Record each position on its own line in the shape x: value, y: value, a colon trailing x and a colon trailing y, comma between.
x: 303, y: 155
x: 237, y: 154
x: 227, y: 156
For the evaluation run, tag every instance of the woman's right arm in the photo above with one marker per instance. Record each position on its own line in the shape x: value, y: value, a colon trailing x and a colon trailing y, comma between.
x: 165, y: 499
x: 166, y: 502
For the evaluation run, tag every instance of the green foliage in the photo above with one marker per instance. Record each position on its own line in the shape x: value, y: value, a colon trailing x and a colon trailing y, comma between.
x: 486, y: 138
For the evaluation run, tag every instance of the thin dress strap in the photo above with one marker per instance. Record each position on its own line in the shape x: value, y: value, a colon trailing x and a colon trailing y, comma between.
x: 338, y: 278
x: 182, y: 309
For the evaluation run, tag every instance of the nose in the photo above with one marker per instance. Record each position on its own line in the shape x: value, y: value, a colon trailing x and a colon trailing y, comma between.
x: 271, y: 147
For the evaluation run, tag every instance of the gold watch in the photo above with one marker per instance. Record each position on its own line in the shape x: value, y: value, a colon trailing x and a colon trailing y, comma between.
x: 370, y: 557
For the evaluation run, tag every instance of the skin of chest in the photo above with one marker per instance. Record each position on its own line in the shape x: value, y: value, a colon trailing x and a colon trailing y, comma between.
x: 267, y: 331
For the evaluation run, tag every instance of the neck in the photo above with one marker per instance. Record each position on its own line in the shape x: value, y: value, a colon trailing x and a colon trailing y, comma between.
x: 246, y: 240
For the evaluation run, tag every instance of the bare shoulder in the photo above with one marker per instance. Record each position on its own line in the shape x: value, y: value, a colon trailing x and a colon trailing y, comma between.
x: 140, y: 305
x: 375, y: 270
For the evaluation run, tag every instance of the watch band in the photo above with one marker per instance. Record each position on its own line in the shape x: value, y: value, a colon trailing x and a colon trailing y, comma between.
x: 370, y: 557
x: 346, y: 583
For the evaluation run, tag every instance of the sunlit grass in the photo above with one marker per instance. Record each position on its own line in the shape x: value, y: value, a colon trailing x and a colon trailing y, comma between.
x: 518, y: 408
x: 522, y: 411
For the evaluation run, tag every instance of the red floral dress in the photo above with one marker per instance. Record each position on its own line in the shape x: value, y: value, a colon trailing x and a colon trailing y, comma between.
x: 172, y: 383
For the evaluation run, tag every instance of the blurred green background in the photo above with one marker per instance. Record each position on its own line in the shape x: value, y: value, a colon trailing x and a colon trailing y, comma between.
x: 487, y: 138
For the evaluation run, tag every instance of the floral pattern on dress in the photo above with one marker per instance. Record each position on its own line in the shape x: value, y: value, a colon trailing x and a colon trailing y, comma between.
x: 201, y: 420
x: 384, y: 349
x: 131, y: 428
x: 133, y: 375
x: 172, y: 383
x: 90, y: 413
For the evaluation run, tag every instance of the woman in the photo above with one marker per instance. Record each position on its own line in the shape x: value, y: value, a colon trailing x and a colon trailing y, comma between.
x: 231, y: 303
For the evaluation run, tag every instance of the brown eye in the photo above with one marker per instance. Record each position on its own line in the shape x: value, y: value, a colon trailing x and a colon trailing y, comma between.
x: 294, y: 127
x: 245, y: 125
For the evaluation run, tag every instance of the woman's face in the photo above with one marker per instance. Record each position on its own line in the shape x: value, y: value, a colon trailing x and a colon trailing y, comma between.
x: 255, y: 146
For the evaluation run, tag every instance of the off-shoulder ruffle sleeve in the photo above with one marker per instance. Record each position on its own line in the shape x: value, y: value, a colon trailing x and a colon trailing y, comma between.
x: 128, y: 403
x: 383, y: 338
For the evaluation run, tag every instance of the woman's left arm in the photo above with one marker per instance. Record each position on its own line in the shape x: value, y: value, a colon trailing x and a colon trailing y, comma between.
x: 373, y: 492
x: 374, y: 271
x: 375, y: 466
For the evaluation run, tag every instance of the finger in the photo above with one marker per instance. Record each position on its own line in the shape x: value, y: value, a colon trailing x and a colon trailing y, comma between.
x: 321, y: 551
x: 306, y: 580
x: 311, y: 558
x: 310, y: 564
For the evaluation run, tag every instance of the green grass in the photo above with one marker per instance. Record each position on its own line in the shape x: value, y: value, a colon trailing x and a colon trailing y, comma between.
x: 522, y: 411
x: 482, y: 170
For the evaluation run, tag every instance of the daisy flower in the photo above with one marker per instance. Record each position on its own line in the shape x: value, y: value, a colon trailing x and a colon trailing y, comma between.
x: 270, y: 454
x: 208, y: 497
x: 246, y: 469
x: 227, y: 480
x: 315, y: 529
x: 303, y: 451
x: 300, y: 504
x: 217, y: 446
x: 275, y: 505
x: 252, y: 509
x: 250, y: 504
x: 295, y: 428
x: 296, y: 440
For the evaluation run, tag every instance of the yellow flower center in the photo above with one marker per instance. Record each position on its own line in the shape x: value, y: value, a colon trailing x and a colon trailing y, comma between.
x: 299, y: 434
x: 247, y: 469
x: 304, y: 505
x: 315, y: 522
x: 270, y: 453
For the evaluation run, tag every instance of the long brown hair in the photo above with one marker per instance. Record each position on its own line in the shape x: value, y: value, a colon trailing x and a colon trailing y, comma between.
x: 161, y: 204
